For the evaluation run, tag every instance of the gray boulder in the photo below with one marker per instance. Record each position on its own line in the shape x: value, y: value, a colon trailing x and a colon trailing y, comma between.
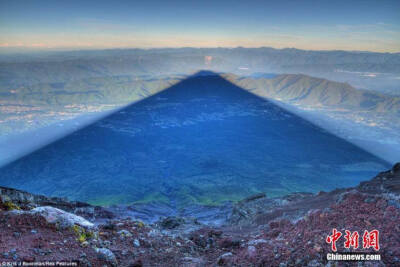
x: 62, y: 218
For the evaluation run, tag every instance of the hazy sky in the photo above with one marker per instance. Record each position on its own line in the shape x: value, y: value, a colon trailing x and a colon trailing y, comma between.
x: 347, y: 25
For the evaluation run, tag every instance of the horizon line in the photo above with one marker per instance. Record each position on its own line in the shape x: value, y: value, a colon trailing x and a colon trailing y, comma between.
x: 29, y: 49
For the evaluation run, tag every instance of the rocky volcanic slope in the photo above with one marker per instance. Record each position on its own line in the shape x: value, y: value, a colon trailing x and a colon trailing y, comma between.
x: 261, y: 231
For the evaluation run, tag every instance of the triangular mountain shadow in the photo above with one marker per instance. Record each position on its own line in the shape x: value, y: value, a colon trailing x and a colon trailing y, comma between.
x: 203, y: 140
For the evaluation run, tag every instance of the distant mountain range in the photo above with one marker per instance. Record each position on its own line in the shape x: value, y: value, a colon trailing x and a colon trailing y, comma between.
x: 293, y: 88
x: 28, y: 69
x: 316, y: 92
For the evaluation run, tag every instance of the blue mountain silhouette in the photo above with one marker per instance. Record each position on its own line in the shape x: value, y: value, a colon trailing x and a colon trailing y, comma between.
x: 203, y: 140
